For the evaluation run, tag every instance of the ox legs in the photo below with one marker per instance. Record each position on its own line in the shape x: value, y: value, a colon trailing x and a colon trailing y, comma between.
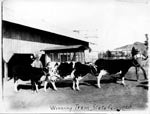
x: 34, y: 86
x: 102, y: 72
x: 76, y: 82
x: 45, y: 86
x: 122, y: 77
x: 123, y: 83
x: 16, y: 85
x: 53, y: 84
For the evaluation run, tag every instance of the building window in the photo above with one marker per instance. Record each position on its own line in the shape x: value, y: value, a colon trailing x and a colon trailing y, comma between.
x: 67, y: 56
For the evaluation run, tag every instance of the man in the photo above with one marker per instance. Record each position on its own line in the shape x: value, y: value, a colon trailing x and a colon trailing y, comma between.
x: 139, y: 57
x: 37, y: 63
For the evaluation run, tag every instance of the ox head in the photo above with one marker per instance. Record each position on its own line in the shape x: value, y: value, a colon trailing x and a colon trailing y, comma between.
x: 93, y: 69
x: 45, y: 70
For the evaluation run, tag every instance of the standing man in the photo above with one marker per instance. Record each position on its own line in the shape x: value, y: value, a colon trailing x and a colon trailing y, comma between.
x: 138, y: 56
x: 38, y: 64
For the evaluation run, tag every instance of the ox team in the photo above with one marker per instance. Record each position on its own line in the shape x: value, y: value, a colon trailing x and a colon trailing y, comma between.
x: 73, y: 70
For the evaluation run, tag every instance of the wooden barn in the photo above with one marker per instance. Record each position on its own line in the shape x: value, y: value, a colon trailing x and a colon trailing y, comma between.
x: 20, y: 40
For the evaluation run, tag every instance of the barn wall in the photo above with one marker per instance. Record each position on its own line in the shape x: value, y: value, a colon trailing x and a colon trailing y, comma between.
x: 11, y: 46
x: 22, y: 39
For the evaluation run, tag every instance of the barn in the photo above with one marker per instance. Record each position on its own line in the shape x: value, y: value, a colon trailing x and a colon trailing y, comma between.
x: 21, y: 39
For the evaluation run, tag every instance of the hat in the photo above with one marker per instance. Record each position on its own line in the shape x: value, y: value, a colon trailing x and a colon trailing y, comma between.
x: 37, y: 55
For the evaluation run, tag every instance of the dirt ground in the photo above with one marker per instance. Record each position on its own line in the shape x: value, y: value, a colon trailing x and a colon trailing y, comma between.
x: 111, y: 97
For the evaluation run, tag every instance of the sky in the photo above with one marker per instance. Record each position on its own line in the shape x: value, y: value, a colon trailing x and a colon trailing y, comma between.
x: 115, y: 23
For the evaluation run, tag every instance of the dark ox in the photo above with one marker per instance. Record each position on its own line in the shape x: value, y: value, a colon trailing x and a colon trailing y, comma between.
x: 120, y: 66
x: 26, y: 73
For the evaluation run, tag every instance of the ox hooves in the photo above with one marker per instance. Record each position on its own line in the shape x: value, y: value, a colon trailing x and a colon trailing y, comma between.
x: 124, y: 85
x: 34, y: 92
x: 75, y: 89
x: 16, y: 91
x: 99, y: 87
x: 78, y: 89
x: 55, y: 89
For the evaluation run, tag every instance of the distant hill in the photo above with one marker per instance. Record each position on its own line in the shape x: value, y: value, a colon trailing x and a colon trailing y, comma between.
x: 138, y: 45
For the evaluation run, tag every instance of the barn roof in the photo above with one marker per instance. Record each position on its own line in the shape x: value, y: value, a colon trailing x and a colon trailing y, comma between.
x: 65, y: 48
x: 41, y: 25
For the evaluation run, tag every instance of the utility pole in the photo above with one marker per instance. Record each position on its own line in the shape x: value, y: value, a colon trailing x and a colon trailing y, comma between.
x: 1, y: 63
x: 146, y: 42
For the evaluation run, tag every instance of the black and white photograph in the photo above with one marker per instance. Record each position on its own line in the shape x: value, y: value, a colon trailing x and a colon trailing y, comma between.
x: 75, y: 56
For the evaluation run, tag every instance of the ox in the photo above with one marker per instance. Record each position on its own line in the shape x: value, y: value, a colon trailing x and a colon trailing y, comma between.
x: 58, y: 71
x: 120, y: 66
x: 26, y: 73
x: 73, y: 71
x: 81, y: 70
